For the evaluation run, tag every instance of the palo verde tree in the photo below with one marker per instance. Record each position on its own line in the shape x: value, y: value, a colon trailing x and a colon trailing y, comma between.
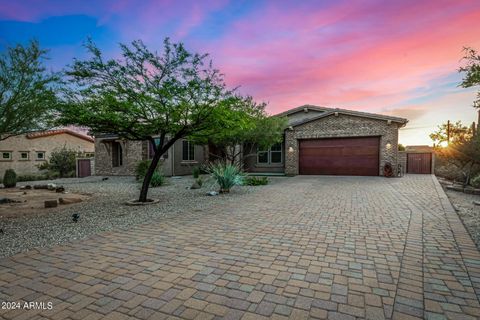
x: 144, y: 95
x: 27, y: 90
x: 471, y: 72
x: 242, y: 126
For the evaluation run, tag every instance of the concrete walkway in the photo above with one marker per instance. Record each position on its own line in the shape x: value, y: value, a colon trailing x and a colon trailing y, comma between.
x: 307, y: 247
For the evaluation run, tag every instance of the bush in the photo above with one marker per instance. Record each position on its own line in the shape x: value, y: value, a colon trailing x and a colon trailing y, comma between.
x: 256, y: 181
x: 142, y: 168
x: 10, y: 178
x: 475, y: 182
x: 61, y: 164
x: 196, y: 172
x: 226, y: 175
x: 199, y: 180
x: 158, y: 179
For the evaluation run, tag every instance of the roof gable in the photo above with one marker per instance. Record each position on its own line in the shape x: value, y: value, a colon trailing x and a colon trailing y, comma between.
x: 47, y: 133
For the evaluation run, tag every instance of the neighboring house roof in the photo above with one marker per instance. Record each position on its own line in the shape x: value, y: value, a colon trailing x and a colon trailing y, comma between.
x: 325, y: 112
x: 423, y: 148
x: 47, y: 133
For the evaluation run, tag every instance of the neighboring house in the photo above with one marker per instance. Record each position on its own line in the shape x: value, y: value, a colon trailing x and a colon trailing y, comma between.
x: 329, y: 141
x: 25, y: 152
x: 318, y: 141
x: 118, y: 157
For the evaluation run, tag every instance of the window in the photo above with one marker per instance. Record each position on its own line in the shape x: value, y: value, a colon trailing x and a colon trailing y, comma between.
x: 151, y: 151
x: 89, y: 155
x: 271, y: 156
x: 6, y: 155
x: 117, y: 154
x: 24, y: 155
x: 40, y: 155
x: 188, y: 151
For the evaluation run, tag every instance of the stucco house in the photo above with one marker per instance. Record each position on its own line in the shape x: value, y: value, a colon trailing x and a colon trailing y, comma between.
x: 25, y: 152
x: 318, y: 140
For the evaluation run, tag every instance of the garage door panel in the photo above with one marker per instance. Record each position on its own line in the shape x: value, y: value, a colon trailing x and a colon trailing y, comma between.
x: 340, y: 156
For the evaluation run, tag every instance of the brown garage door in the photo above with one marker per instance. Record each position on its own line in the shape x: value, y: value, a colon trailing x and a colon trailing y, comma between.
x: 419, y: 163
x: 340, y: 156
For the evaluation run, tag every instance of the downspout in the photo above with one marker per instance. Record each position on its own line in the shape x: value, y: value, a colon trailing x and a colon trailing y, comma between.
x: 173, y: 159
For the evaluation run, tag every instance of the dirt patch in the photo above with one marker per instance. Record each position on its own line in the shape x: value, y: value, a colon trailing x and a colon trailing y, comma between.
x: 32, y: 201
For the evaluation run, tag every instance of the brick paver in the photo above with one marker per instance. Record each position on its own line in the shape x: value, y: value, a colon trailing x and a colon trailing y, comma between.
x: 307, y: 247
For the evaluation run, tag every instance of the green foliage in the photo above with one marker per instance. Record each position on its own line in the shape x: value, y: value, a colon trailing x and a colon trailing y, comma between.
x: 144, y: 94
x: 61, y: 164
x: 196, y: 172
x: 256, y: 181
x: 27, y: 96
x: 158, y: 179
x: 475, y: 182
x: 242, y: 121
x: 9, y: 178
x: 458, y: 133
x: 463, y: 154
x: 401, y: 147
x: 199, y: 180
x: 226, y: 175
x: 471, y: 72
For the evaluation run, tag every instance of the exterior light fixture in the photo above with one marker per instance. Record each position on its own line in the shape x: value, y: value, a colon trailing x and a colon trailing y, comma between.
x: 290, y: 149
x: 389, y: 146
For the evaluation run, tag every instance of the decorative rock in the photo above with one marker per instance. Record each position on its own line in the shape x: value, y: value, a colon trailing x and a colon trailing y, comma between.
x: 28, y: 187
x: 60, y: 189
x: 212, y: 193
x: 51, y: 186
x: 476, y: 191
x: 51, y: 203
x: 469, y: 190
x: 8, y: 200
x: 455, y: 188
x: 69, y: 200
x: 477, y: 203
x: 40, y: 186
x: 195, y: 185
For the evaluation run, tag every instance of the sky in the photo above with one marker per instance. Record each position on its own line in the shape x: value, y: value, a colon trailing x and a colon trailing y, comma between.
x: 396, y: 57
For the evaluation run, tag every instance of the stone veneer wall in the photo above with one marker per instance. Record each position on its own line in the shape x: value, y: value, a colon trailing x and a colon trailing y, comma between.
x: 133, y: 152
x: 343, y: 126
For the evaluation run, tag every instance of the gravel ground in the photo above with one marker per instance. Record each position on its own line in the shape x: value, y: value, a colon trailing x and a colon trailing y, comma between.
x: 106, y: 210
x: 467, y: 211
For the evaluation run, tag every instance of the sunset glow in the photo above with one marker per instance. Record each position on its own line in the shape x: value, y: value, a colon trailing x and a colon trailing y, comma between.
x: 393, y: 57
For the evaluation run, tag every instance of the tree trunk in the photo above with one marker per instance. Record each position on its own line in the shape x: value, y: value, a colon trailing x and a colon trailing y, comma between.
x: 149, y: 175
x: 159, y: 151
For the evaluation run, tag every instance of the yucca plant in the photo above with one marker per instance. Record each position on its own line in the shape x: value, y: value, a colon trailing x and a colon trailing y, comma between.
x: 226, y: 175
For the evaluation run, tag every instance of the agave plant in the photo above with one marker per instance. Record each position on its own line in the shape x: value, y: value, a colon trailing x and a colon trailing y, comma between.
x: 226, y: 175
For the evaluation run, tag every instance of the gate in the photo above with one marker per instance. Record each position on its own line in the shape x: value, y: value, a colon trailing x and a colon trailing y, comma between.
x: 84, y: 168
x: 419, y: 163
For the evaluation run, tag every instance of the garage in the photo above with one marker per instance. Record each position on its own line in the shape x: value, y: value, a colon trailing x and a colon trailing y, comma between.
x: 357, y: 156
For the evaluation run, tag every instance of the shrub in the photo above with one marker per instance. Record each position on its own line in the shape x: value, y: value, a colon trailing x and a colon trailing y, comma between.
x: 142, y: 168
x: 158, y: 179
x: 196, y: 172
x: 61, y: 163
x: 226, y: 175
x: 10, y: 178
x: 199, y: 180
x: 475, y: 182
x: 256, y: 181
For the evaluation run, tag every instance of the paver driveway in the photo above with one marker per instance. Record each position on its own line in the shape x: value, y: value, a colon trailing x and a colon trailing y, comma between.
x: 307, y: 247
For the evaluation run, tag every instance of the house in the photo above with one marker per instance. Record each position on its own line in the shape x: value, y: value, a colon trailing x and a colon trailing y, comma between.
x: 119, y: 157
x: 318, y: 140
x: 331, y: 141
x: 25, y: 152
